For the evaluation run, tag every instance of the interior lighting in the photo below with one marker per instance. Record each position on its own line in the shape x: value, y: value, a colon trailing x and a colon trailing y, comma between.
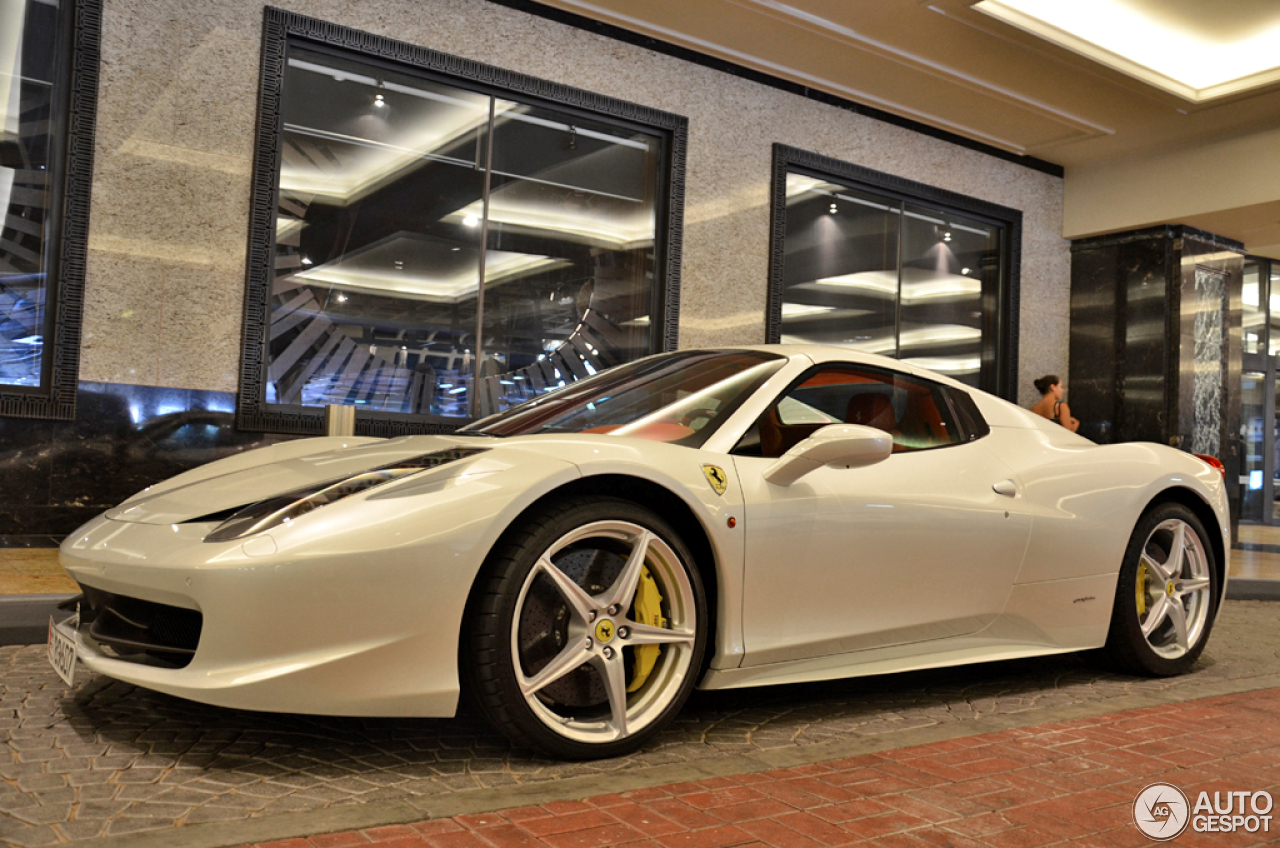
x: 379, y: 101
x: 1197, y: 57
x: 470, y: 221
x: 964, y: 270
x: 306, y: 260
x: 833, y: 209
x: 341, y: 298
x: 946, y: 236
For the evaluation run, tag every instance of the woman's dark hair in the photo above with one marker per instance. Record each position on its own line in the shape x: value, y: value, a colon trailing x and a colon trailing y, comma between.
x: 1047, y: 382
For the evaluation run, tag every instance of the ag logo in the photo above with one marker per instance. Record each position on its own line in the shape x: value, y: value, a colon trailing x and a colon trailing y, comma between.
x: 716, y: 477
x: 1161, y: 811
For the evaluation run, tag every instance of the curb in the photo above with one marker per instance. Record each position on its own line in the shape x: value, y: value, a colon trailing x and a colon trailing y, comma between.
x: 1252, y: 589
x: 24, y: 619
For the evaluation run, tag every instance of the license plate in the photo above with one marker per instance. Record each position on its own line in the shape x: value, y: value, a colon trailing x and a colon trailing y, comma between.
x: 62, y: 647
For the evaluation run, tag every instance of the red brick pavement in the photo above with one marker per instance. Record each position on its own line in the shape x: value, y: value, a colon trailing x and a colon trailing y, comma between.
x: 1071, y: 782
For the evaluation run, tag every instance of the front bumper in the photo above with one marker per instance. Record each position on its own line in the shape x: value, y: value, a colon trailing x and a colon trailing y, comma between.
x: 363, y: 623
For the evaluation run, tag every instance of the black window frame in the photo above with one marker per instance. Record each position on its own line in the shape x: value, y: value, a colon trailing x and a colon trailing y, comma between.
x: 281, y: 28
x: 1002, y: 315
x: 73, y: 129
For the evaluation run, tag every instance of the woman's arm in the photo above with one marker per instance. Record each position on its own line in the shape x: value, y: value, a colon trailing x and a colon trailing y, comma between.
x: 1065, y: 419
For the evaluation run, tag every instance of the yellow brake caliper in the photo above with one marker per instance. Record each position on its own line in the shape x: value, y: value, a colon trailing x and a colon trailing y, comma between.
x: 1142, y: 588
x: 648, y: 611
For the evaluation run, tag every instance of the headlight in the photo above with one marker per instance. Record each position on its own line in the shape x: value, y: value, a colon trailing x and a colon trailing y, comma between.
x: 263, y: 515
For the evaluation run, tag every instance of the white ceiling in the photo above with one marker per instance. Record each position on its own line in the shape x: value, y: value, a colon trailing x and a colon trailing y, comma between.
x: 948, y: 65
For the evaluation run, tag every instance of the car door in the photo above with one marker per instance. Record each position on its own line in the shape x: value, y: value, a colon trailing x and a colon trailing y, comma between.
x: 924, y: 545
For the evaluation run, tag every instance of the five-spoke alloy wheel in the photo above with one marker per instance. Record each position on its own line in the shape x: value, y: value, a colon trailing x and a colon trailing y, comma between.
x: 1166, y: 596
x: 587, y: 633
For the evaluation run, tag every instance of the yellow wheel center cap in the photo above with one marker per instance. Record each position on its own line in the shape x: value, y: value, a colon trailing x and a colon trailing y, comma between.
x: 605, y: 631
x: 1170, y: 588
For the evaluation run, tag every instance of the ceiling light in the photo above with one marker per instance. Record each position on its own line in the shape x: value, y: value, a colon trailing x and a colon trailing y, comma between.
x: 964, y: 270
x: 306, y: 261
x: 470, y: 221
x: 1197, y: 56
x: 341, y: 298
x: 946, y: 236
x: 833, y: 209
x: 378, y: 100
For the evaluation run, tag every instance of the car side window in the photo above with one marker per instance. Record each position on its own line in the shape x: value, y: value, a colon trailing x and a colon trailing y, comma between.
x: 916, y: 412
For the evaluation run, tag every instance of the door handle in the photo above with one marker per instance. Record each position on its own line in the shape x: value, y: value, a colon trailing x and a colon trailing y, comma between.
x: 1008, y: 488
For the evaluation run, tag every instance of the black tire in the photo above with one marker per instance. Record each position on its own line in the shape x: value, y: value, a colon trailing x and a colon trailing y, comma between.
x: 1160, y: 652
x: 520, y: 615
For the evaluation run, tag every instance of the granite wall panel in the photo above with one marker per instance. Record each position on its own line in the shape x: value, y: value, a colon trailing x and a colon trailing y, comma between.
x: 174, y: 151
x: 169, y: 222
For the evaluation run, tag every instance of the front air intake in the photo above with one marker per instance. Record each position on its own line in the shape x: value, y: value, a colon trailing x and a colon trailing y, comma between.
x: 141, y: 631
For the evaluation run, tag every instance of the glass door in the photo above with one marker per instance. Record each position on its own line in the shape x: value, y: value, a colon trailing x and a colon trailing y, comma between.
x: 1259, y: 422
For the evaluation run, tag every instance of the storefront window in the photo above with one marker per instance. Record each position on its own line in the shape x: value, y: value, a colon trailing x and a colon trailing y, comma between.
x: 446, y: 250
x: 35, y: 70
x: 886, y: 272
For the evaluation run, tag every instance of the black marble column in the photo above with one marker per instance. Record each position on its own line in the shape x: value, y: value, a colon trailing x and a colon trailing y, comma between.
x: 55, y: 475
x: 1156, y: 341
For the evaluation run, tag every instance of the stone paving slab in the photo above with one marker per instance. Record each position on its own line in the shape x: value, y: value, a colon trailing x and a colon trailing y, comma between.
x: 1063, y: 784
x: 110, y: 760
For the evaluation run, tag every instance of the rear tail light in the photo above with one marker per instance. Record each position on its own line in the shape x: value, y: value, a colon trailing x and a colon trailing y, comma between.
x: 1214, y: 461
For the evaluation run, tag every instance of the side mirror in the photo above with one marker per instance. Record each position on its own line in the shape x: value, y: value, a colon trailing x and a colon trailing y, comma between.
x: 837, y: 446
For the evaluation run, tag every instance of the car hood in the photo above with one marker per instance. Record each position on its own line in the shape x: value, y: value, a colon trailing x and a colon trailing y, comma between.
x: 213, y: 493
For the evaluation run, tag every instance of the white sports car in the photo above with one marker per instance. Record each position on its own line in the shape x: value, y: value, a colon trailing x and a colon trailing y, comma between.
x: 712, y: 518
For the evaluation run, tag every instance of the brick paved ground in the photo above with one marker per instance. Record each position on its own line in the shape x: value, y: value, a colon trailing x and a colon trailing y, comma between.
x: 110, y: 760
x: 1057, y: 784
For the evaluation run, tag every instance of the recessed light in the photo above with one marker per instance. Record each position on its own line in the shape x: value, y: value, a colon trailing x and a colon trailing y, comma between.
x: 470, y: 221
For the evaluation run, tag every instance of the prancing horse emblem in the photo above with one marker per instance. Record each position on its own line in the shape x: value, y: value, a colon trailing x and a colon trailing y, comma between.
x: 604, y: 631
x: 716, y: 477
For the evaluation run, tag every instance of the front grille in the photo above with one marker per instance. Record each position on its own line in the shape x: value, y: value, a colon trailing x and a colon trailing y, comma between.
x: 134, y: 629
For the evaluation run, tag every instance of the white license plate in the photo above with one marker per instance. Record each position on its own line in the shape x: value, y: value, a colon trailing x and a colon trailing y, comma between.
x: 62, y: 647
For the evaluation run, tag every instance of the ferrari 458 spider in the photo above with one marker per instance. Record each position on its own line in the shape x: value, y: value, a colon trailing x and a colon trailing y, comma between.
x: 712, y: 518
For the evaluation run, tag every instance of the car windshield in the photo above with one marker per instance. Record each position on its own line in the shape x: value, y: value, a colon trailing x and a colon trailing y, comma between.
x: 680, y: 397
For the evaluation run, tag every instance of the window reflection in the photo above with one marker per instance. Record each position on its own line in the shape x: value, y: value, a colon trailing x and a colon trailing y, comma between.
x: 28, y: 58
x: 1254, y: 315
x: 882, y: 275
x: 1273, y: 338
x: 412, y: 212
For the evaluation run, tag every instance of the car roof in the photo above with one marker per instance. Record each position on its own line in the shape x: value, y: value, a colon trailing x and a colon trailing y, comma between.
x: 819, y: 353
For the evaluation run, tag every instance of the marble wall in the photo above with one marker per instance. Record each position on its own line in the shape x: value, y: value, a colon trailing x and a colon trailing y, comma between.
x: 58, y: 474
x: 175, y: 143
x: 1155, y: 341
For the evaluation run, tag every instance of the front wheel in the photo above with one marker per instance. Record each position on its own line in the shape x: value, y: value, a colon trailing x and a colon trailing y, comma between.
x: 587, y: 629
x: 1166, y: 595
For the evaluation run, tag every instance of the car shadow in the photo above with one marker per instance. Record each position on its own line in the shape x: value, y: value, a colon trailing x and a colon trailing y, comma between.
x: 169, y: 732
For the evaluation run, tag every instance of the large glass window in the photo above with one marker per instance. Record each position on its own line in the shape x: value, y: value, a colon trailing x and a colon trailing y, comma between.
x: 35, y: 72
x: 864, y: 264
x: 448, y: 250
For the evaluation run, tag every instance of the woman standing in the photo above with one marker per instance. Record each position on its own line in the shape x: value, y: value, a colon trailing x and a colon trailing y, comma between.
x: 1051, y: 405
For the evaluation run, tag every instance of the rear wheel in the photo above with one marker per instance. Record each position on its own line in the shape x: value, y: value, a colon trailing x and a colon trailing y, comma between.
x: 588, y: 629
x: 1166, y: 595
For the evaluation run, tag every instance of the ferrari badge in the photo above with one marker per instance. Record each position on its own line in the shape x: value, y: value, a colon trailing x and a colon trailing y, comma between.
x: 716, y: 477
